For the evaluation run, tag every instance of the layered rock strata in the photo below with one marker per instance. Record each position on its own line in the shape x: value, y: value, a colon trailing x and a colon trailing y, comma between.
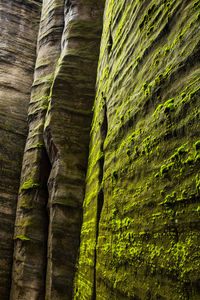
x: 140, y: 222
x: 49, y: 210
x: 140, y: 236
x: 30, y: 256
x: 19, y: 22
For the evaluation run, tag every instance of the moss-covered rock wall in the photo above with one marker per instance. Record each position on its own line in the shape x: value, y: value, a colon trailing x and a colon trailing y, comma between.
x: 140, y: 236
x: 136, y: 235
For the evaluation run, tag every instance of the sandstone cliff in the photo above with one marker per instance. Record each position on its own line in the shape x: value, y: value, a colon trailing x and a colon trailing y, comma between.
x: 140, y: 237
x: 129, y: 228
x: 49, y: 210
x: 19, y: 27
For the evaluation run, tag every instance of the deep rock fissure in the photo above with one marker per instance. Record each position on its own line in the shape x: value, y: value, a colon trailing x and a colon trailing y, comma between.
x: 100, y: 198
x: 45, y: 173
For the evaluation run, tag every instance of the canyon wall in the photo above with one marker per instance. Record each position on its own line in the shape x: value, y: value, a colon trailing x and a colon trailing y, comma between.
x: 19, y: 21
x: 140, y: 236
x: 49, y: 208
x: 108, y: 202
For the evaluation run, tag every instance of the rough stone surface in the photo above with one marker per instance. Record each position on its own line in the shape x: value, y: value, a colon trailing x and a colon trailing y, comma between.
x: 61, y: 101
x: 19, y: 27
x: 66, y: 136
x: 140, y: 237
x: 30, y: 256
x: 137, y: 233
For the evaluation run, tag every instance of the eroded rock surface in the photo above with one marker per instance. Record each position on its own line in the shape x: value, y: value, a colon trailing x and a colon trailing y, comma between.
x: 139, y: 221
x: 19, y: 27
x: 66, y: 135
x: 30, y: 256
x: 53, y: 173
x: 140, y: 236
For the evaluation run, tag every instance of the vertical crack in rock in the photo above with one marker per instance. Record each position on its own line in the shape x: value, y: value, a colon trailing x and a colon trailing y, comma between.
x: 148, y: 237
x: 140, y: 235
x: 67, y: 128
x: 100, y: 197
x: 110, y: 43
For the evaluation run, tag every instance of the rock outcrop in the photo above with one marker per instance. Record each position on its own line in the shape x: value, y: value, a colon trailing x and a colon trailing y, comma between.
x: 129, y: 228
x: 49, y: 210
x: 140, y: 237
x: 19, y: 21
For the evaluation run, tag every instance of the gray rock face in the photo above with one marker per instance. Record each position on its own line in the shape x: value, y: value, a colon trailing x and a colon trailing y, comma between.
x: 67, y: 138
x: 29, y: 269
x: 19, y: 27
x: 50, y: 200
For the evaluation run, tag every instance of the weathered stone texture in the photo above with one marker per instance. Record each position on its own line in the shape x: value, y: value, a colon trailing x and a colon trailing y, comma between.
x: 30, y: 256
x: 66, y: 135
x: 61, y: 102
x: 19, y: 26
x: 140, y: 237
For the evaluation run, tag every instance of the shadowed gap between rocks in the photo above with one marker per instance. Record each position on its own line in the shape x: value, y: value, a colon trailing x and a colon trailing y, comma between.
x: 45, y: 173
x: 100, y: 198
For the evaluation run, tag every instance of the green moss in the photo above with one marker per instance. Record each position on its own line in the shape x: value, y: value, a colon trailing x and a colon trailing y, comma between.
x: 144, y: 87
x: 109, y: 47
x: 149, y: 31
x: 115, y: 174
x: 138, y: 59
x: 40, y: 145
x: 183, y: 95
x: 147, y: 17
x: 189, y: 161
x: 167, y: 168
x: 22, y: 238
x: 25, y: 222
x: 29, y: 184
x: 158, y: 109
x: 25, y: 203
x: 162, y: 193
x: 169, y: 106
x: 181, y: 150
x: 197, y: 145
x: 196, y: 4
x: 164, y: 170
x: 197, y: 158
x: 198, y: 184
x: 167, y: 50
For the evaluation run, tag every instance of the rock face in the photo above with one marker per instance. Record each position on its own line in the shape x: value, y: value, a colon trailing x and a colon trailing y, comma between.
x: 136, y: 234
x: 140, y: 237
x: 49, y: 210
x: 19, y: 27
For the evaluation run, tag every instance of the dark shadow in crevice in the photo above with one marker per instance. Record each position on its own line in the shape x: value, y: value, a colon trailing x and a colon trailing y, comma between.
x: 45, y: 169
x: 110, y: 43
x: 100, y: 197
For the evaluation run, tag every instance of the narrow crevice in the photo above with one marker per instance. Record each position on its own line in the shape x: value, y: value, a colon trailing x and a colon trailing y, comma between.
x: 110, y: 43
x: 68, y: 5
x: 45, y: 169
x: 100, y: 197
